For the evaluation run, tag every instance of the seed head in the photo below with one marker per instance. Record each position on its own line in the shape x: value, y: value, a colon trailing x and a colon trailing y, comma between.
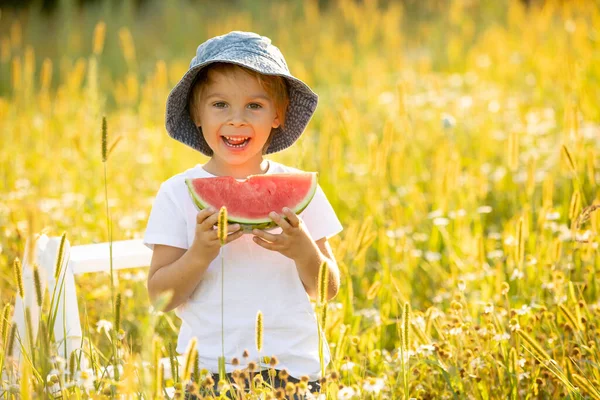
x: 251, y: 366
x: 190, y: 355
x: 208, y: 382
x: 19, y: 277
x: 323, y: 283
x: 222, y: 225
x: 273, y: 361
x: 323, y: 317
x: 574, y: 205
x: 283, y: 374
x: 569, y: 316
x: 59, y: 257
x: 118, y: 313
x: 99, y: 33
x: 104, y: 140
x: 534, y: 346
x: 456, y: 305
x: 258, y: 380
x: 290, y: 388
x: 584, y: 384
x: 38, y: 285
x: 11, y: 340
x: 72, y: 364
x: 5, y: 321
x: 405, y: 328
x: 259, y: 331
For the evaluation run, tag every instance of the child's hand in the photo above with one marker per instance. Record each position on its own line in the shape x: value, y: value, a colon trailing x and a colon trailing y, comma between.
x: 293, y: 242
x: 206, y: 242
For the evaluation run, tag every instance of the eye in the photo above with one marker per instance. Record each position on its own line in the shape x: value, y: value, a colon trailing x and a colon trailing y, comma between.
x: 255, y: 106
x: 219, y: 104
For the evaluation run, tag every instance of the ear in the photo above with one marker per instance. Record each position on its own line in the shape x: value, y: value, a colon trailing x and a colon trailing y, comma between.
x: 276, y: 122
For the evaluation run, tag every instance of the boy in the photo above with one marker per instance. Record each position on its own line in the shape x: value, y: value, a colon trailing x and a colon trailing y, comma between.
x: 236, y: 103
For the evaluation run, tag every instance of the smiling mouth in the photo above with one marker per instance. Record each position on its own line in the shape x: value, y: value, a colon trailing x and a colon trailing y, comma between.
x: 235, y: 142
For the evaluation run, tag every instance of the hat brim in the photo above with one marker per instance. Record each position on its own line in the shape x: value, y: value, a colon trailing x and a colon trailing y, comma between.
x: 302, y: 103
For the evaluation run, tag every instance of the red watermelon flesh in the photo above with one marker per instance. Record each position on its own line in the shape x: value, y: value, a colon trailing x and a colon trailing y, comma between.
x: 250, y: 201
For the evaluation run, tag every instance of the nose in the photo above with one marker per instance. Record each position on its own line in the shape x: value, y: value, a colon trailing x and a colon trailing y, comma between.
x: 237, y: 117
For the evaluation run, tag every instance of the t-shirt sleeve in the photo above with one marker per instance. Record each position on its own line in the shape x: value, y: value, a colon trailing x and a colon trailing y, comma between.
x: 320, y: 218
x: 166, y: 224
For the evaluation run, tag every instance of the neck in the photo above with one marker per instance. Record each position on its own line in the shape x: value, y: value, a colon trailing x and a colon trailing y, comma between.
x: 219, y: 168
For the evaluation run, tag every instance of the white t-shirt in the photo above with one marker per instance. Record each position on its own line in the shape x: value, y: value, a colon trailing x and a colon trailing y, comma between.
x: 255, y: 279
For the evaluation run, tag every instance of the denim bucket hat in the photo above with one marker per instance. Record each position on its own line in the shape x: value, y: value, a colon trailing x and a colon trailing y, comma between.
x: 252, y: 51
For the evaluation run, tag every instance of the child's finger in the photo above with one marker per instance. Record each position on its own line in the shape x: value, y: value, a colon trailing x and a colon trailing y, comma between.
x: 203, y: 214
x: 279, y: 220
x: 214, y: 233
x: 293, y: 219
x: 208, y: 223
x: 233, y: 227
x: 264, y: 243
x: 267, y: 236
x: 234, y: 236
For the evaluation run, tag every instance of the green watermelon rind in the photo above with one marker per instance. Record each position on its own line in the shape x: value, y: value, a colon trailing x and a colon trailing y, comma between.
x: 247, y: 225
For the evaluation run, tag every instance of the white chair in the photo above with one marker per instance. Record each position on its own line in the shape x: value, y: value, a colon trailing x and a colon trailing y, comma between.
x: 83, y: 259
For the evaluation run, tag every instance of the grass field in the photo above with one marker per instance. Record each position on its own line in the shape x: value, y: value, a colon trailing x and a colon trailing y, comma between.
x: 458, y: 143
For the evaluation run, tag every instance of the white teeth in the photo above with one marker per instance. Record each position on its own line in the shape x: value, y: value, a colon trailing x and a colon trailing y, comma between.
x: 236, y: 142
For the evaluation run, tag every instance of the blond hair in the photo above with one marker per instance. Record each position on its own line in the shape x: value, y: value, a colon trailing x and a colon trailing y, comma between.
x: 275, y: 86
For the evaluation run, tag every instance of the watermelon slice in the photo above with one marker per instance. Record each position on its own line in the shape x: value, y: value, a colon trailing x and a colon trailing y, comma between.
x: 250, y: 201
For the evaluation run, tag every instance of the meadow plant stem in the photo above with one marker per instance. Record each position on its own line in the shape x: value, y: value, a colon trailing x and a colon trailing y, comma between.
x: 222, y: 305
x: 109, y: 231
x: 222, y: 235
x: 222, y: 372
